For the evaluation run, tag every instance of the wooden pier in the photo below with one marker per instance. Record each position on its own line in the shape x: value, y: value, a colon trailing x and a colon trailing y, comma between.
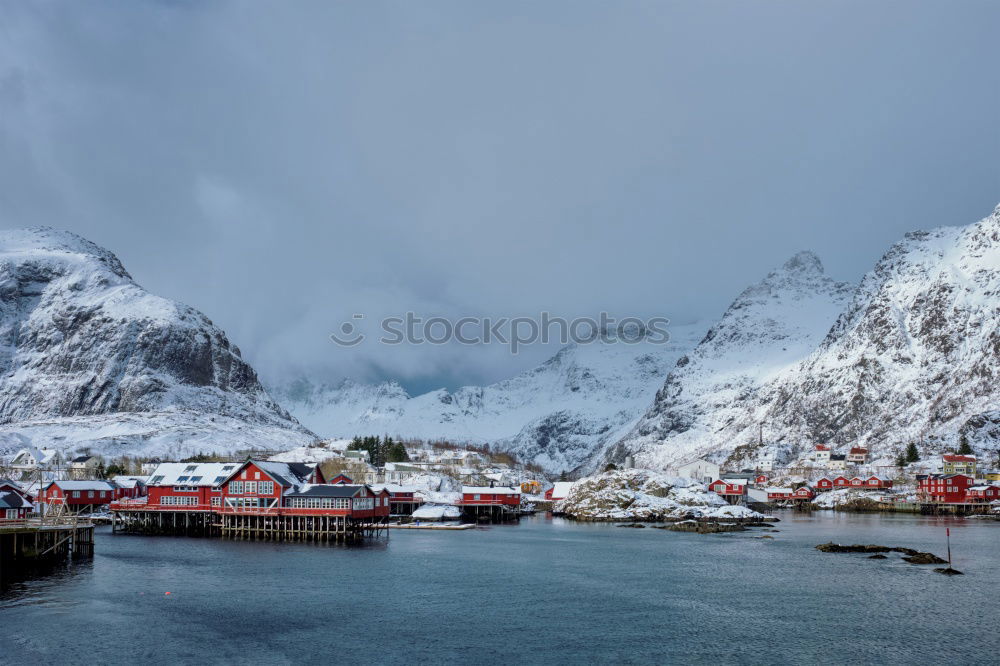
x: 263, y: 524
x: 491, y: 513
x: 37, y: 541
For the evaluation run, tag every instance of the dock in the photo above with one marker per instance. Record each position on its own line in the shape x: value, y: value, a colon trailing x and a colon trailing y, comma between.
x: 411, y: 526
x: 37, y: 541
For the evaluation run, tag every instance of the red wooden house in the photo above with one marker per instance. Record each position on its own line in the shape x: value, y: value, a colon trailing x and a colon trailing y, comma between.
x: 403, y: 500
x: 824, y: 484
x: 943, y: 488
x: 128, y: 487
x: 760, y: 479
x: 987, y: 493
x: 731, y: 489
x: 185, y: 486
x: 358, y: 502
x: 805, y: 493
x: 877, y: 482
x: 841, y: 482
x: 779, y: 494
x: 483, y: 496
x: 77, y: 495
x: 14, y: 502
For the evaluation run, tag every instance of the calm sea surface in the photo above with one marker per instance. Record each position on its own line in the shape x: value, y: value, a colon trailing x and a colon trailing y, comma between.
x: 546, y: 591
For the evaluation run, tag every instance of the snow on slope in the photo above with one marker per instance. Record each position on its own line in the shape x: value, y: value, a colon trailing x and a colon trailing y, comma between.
x: 763, y: 335
x: 89, y: 358
x: 914, y: 356
x: 555, y: 415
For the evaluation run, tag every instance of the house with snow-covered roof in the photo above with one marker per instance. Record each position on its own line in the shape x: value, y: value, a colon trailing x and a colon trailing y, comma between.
x: 558, y: 491
x: 13, y: 506
x: 77, y: 495
x: 27, y: 461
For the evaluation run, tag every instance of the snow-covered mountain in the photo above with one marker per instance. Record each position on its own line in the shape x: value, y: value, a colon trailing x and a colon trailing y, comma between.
x: 556, y: 415
x: 914, y: 355
x: 762, y: 336
x: 90, y: 359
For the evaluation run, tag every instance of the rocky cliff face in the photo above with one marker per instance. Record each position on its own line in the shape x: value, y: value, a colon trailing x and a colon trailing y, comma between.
x: 79, y: 338
x: 914, y: 355
x: 556, y: 415
x: 762, y: 336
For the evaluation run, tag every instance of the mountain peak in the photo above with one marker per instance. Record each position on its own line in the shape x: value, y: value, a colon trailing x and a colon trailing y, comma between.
x: 804, y: 262
x: 48, y: 242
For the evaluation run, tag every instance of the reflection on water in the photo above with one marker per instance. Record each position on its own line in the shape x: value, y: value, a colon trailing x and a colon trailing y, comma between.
x: 546, y: 591
x: 17, y: 583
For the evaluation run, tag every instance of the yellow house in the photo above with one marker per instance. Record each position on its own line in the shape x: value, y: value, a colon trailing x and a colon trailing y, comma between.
x: 953, y: 464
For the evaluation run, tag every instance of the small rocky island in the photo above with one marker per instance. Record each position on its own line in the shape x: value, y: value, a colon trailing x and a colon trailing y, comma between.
x: 646, y: 496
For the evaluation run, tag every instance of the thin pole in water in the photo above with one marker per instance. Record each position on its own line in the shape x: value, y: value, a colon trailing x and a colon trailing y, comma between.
x: 947, y: 532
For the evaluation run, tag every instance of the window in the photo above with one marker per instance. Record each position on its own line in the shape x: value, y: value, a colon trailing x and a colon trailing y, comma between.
x: 236, y: 487
x: 265, y: 487
x: 256, y: 475
x: 190, y: 468
x: 476, y: 497
x: 102, y: 493
x: 250, y: 487
x: 169, y: 500
x: 216, y: 501
x: 76, y: 493
x: 195, y: 479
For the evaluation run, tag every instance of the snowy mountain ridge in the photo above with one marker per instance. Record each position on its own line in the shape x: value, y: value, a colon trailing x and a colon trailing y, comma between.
x: 914, y: 355
x: 556, y: 414
x: 763, y: 335
x: 81, y: 342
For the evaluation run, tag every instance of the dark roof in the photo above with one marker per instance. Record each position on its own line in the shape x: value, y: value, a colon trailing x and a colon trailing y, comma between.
x: 296, y: 472
x: 324, y: 490
x: 81, y: 459
x: 838, y: 456
x: 11, y: 500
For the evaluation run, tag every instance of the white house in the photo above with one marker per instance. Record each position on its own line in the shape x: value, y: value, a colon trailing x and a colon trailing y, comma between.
x: 700, y: 470
x: 27, y: 461
x: 838, y: 461
x: 821, y: 454
x: 84, y: 467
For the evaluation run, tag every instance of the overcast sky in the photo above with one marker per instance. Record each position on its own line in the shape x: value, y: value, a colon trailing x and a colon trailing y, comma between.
x: 284, y: 165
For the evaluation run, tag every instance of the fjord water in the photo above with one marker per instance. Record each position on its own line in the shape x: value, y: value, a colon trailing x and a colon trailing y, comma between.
x: 545, y: 591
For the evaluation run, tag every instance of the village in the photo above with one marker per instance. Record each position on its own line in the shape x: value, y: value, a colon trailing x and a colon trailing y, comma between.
x: 953, y: 483
x: 346, y: 488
